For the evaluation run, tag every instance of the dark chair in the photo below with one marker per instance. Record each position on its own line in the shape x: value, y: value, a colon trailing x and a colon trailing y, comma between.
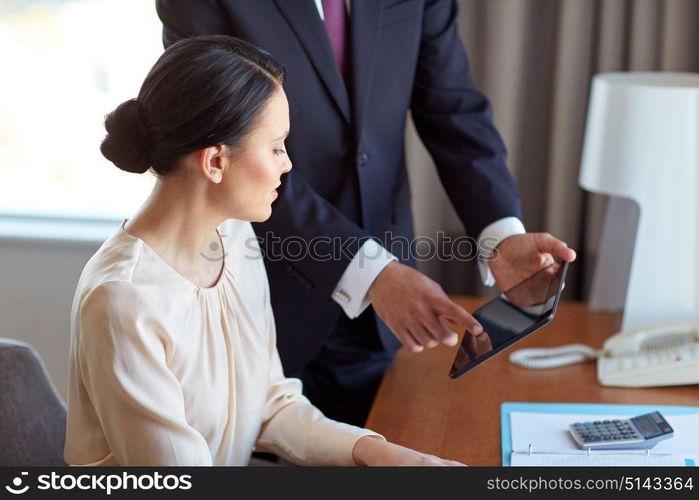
x: 32, y: 414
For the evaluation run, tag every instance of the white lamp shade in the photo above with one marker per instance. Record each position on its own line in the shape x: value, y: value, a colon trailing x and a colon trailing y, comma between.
x: 642, y: 143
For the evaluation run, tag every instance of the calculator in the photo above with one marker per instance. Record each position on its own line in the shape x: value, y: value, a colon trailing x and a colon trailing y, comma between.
x: 642, y: 432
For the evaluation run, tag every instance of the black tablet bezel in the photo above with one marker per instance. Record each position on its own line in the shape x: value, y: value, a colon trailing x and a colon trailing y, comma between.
x: 542, y: 321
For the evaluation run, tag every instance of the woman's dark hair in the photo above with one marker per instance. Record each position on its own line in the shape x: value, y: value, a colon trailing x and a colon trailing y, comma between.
x: 201, y: 92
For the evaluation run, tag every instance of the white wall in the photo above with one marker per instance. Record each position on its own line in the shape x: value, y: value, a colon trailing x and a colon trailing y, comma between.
x: 37, y: 282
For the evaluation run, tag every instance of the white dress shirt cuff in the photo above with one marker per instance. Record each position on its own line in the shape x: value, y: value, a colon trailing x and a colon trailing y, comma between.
x: 490, y: 238
x: 352, y: 290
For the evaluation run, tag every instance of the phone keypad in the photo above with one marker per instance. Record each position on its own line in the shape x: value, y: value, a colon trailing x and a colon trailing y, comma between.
x: 649, y: 359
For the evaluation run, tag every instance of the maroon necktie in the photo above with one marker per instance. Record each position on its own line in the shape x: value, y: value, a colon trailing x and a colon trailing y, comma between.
x: 336, y: 26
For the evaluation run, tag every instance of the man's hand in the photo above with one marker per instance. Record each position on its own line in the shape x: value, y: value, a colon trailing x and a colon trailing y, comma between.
x: 412, y: 305
x: 372, y: 451
x: 518, y: 257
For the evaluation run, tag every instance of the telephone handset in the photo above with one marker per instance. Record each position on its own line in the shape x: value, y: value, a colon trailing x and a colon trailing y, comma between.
x: 658, y: 355
x: 664, y: 354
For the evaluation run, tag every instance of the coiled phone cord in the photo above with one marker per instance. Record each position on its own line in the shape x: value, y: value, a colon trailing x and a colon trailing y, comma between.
x: 553, y: 357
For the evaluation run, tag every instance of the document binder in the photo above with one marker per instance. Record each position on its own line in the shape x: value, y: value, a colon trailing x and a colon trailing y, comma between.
x: 539, y: 433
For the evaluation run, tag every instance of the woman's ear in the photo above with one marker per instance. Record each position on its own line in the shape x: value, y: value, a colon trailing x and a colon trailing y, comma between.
x: 213, y: 162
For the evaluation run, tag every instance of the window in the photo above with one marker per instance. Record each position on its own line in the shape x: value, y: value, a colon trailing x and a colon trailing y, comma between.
x: 65, y: 65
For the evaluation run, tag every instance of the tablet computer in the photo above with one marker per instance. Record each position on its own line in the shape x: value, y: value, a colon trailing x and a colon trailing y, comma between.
x: 511, y: 316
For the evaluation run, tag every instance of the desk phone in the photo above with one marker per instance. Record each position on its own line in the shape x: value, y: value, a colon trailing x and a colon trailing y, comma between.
x: 642, y: 432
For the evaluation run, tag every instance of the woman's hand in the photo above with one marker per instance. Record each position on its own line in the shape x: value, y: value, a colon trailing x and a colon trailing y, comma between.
x: 373, y: 451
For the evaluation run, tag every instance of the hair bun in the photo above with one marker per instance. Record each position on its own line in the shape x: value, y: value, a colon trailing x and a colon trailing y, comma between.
x: 126, y: 144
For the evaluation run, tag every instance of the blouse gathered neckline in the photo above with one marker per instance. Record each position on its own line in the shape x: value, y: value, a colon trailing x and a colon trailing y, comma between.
x: 224, y: 261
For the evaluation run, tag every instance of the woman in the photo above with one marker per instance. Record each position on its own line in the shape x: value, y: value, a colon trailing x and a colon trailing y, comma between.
x: 173, y: 358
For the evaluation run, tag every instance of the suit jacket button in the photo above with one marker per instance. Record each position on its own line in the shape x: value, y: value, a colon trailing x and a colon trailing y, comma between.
x: 362, y: 159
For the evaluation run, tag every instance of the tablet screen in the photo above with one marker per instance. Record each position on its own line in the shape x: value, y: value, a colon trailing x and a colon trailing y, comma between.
x: 511, y: 316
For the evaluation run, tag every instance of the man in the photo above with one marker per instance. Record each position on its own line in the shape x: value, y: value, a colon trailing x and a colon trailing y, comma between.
x: 355, y: 68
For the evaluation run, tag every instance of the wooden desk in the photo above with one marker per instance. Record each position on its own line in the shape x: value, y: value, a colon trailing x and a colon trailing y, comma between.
x: 419, y: 406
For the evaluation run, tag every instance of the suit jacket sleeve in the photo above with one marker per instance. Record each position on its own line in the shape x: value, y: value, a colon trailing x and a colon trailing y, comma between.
x: 454, y: 121
x: 299, y: 212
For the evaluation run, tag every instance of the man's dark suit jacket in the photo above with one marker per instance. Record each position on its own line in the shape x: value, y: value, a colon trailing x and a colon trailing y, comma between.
x: 347, y: 146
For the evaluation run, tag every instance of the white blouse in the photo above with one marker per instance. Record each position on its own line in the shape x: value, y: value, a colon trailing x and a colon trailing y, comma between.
x: 164, y: 372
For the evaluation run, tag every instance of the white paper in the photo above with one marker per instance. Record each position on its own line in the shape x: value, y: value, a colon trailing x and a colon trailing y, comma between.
x: 597, y: 460
x: 552, y: 443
